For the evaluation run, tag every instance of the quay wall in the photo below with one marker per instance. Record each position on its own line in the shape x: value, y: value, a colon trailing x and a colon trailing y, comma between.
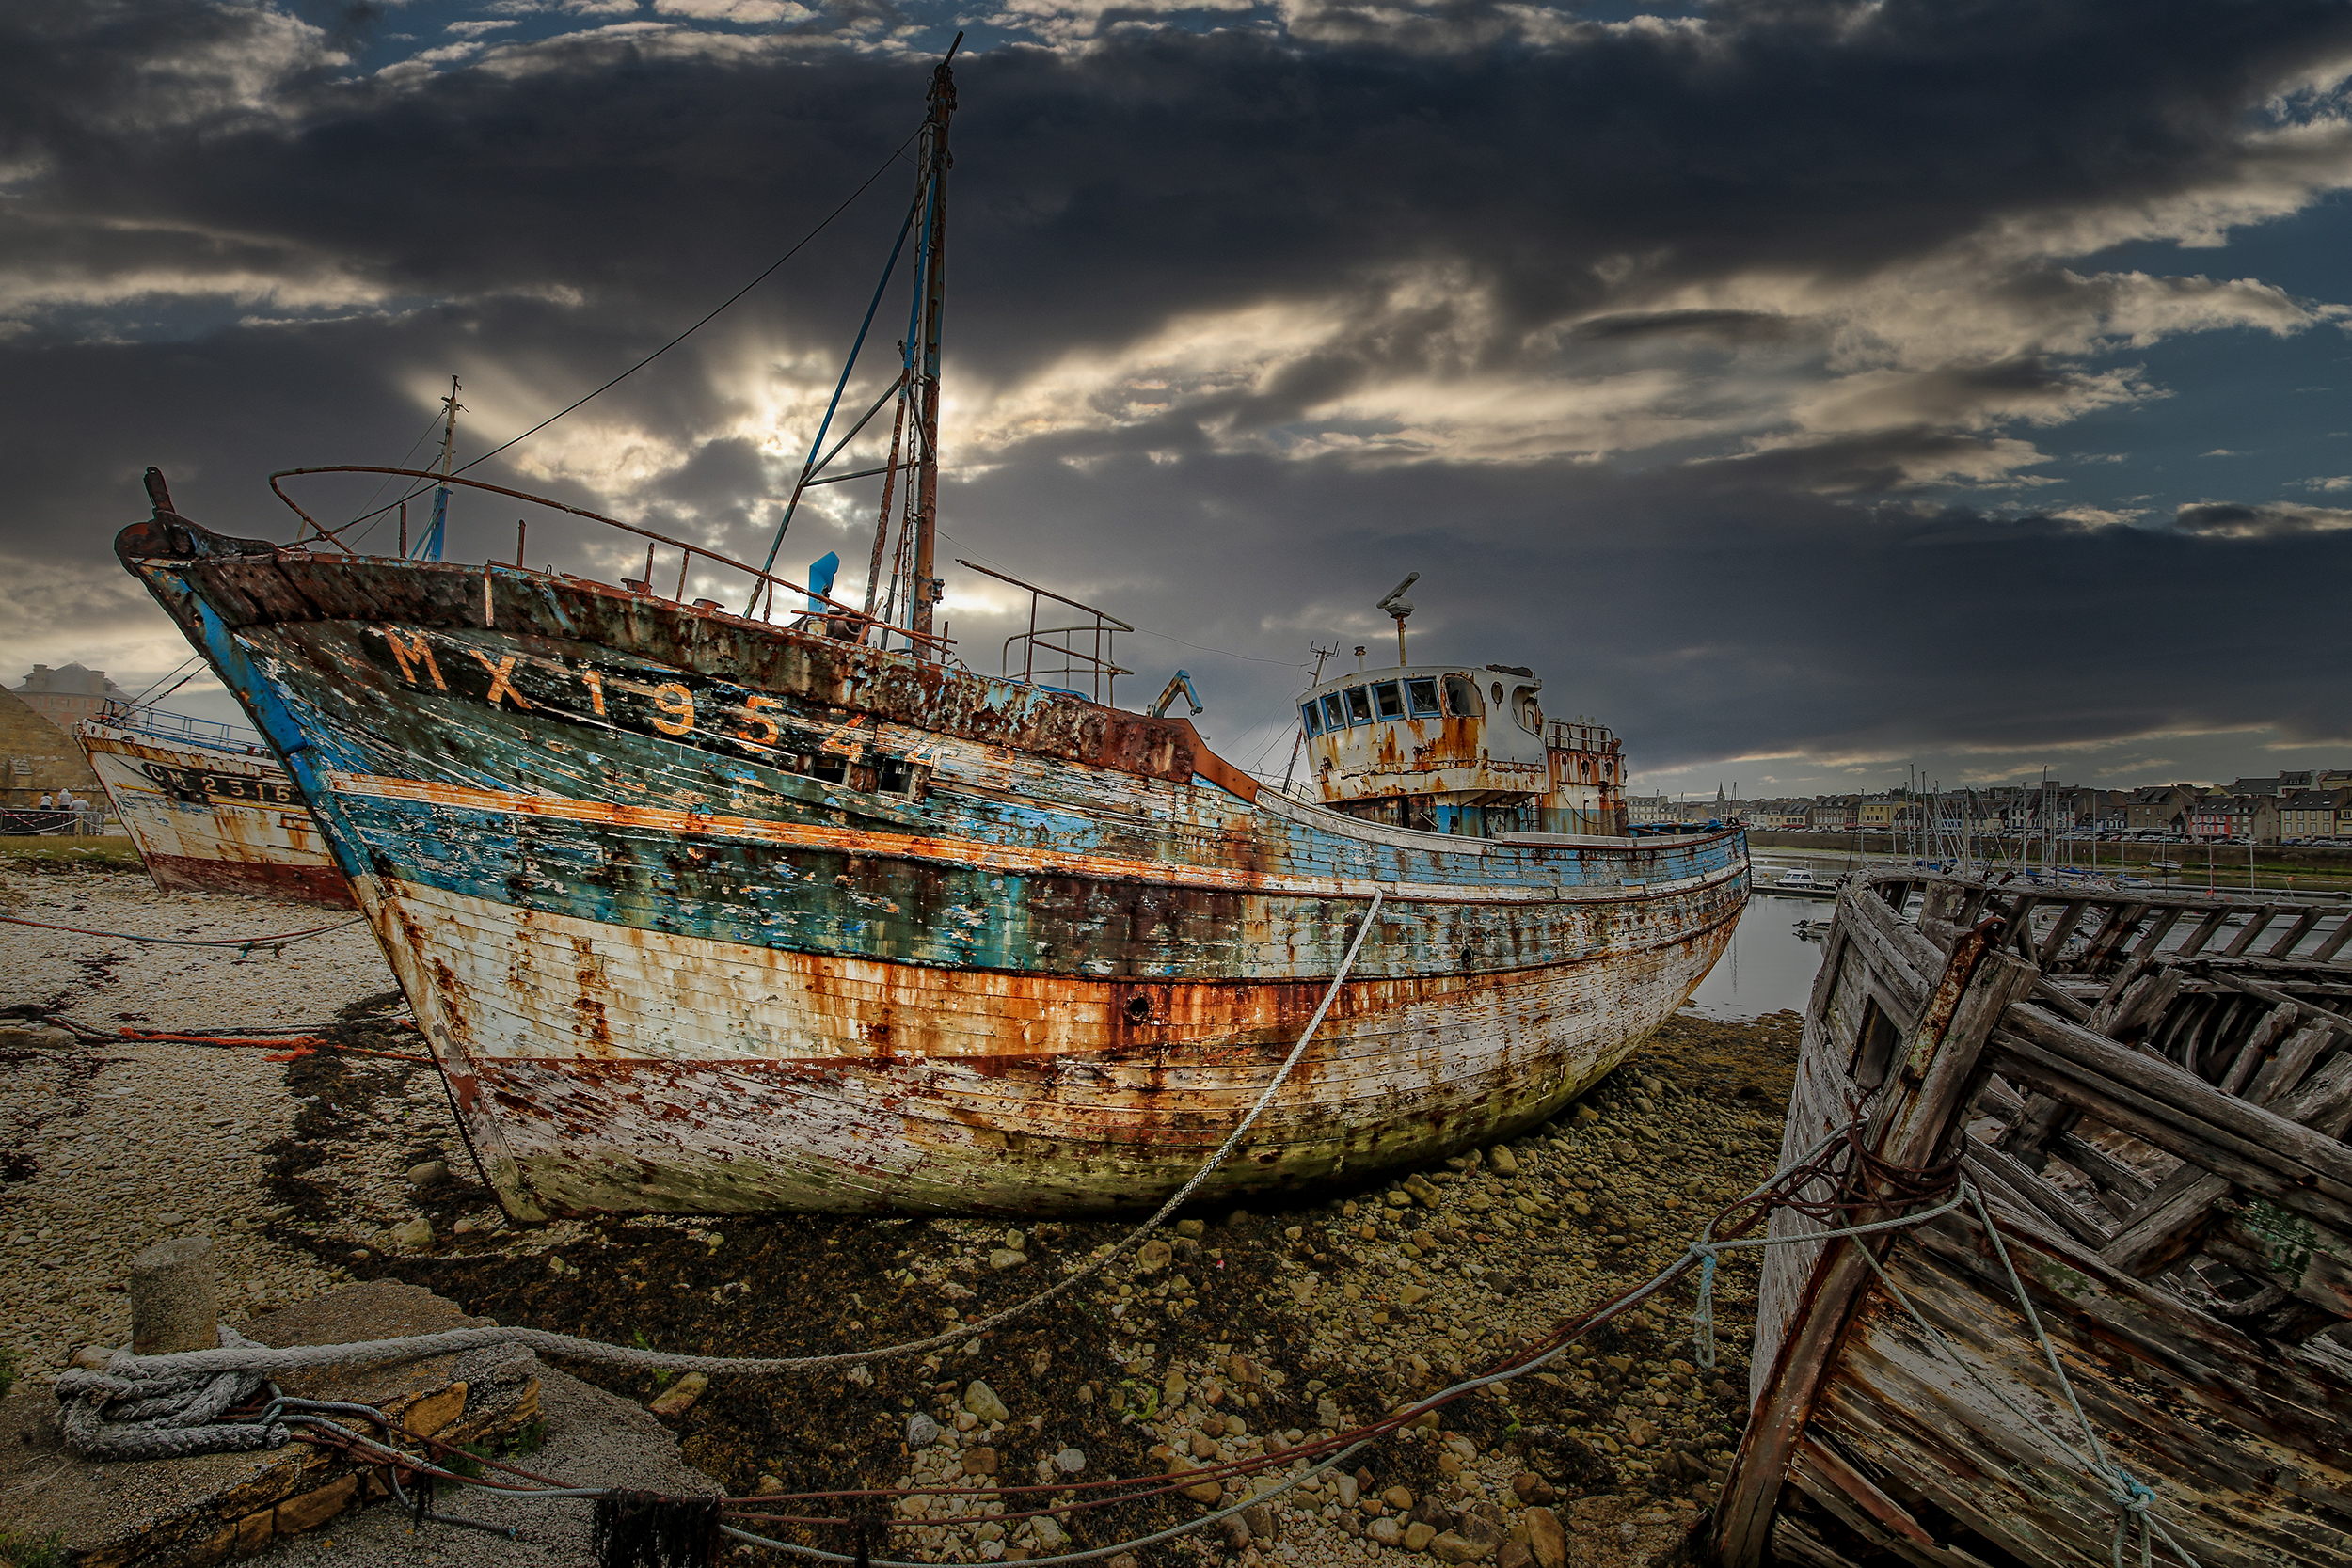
x: 2309, y: 857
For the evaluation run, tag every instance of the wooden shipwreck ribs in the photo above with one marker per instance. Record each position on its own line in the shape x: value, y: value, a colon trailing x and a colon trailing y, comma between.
x: 2150, y: 1105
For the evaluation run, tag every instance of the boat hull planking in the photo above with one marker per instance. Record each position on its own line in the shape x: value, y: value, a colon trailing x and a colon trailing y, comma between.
x: 207, y: 820
x: 702, y: 915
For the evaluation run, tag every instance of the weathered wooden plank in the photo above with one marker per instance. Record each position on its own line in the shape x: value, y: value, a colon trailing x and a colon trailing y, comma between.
x: 2122, y: 918
x: 1978, y: 982
x: 1856, y: 1501
x: 2254, y: 987
x: 2128, y: 1017
x: 2121, y: 1189
x: 2166, y: 1227
x: 2047, y: 990
x: 2296, y: 932
x: 2285, y: 1071
x: 2189, y: 1425
x: 2021, y: 924
x: 2181, y: 1397
x: 2060, y: 928
x: 2179, y: 1098
x: 2326, y: 952
x: 1899, y: 957
x: 2136, y: 1336
x: 2204, y: 934
x: 2005, y: 1173
x: 2255, y: 924
x: 1798, y: 1545
x: 2158, y: 929
x: 2196, y: 1146
x: 2256, y: 1049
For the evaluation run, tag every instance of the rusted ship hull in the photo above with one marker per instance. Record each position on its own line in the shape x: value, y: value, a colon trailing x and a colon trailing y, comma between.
x: 208, y: 820
x: 2152, y: 1116
x: 702, y: 914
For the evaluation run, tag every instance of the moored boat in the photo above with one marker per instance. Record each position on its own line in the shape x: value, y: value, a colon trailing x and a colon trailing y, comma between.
x: 708, y: 912
x: 209, y: 808
x: 2127, y: 1342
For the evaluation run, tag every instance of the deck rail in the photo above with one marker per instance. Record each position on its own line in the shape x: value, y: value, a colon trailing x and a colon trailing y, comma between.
x: 212, y: 733
x: 1093, y: 663
x: 845, y: 621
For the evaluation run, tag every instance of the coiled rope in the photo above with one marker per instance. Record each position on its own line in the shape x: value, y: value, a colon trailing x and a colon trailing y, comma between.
x: 203, y: 1384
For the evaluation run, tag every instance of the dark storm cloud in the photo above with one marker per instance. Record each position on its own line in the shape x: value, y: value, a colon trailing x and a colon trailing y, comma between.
x: 1554, y: 195
x: 2233, y: 521
x: 1812, y: 628
x: 1102, y: 191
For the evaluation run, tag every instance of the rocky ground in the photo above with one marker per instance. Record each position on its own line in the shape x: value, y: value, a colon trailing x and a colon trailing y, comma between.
x: 1240, y: 1333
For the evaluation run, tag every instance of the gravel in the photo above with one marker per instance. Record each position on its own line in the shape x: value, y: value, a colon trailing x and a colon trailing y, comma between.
x: 111, y: 1147
x: 1235, y: 1334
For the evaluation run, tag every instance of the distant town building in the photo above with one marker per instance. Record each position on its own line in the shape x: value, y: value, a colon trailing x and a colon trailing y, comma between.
x: 2222, y: 816
x: 2313, y: 813
x: 67, y: 695
x: 1648, y: 808
x: 2160, y: 809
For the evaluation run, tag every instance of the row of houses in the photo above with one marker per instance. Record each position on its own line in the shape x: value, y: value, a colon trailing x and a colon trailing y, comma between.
x: 2293, y: 804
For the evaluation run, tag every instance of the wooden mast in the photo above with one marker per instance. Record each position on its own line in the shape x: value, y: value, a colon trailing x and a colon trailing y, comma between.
x: 925, y: 588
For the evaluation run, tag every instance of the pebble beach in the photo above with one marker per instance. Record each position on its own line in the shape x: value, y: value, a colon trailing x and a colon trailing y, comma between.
x: 1233, y: 1335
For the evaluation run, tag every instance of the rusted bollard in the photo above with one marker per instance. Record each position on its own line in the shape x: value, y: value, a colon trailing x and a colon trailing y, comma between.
x: 174, y: 1305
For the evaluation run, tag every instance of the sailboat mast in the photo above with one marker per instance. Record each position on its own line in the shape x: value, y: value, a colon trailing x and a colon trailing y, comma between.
x: 431, y: 548
x: 926, y: 589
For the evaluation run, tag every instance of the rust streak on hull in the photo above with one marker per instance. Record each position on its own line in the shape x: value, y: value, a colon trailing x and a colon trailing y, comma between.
x: 702, y: 914
x: 207, y: 820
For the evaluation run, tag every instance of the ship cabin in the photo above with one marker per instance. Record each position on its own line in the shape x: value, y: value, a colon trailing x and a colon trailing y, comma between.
x: 1450, y: 750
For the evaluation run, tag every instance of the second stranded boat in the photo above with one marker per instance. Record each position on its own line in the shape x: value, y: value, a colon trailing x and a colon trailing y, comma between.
x: 209, y: 807
x: 705, y: 913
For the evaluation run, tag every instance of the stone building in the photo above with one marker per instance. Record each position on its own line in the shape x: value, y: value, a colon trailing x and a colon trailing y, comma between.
x: 67, y: 695
x: 38, y: 758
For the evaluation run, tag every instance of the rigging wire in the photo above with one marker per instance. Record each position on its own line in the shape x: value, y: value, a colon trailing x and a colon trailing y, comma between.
x: 1198, y: 647
x: 799, y: 244
x: 388, y: 478
x: 183, y: 670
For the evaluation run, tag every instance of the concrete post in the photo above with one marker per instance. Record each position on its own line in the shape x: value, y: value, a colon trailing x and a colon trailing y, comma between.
x: 174, y: 1305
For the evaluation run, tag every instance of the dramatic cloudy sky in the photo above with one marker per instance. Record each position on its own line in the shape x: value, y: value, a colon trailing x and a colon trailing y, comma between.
x: 1807, y: 388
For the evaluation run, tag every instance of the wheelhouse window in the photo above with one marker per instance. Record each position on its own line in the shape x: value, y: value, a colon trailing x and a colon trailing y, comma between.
x: 1334, y: 712
x: 1462, y: 699
x: 1311, y: 715
x: 1422, y: 697
x: 1359, y: 706
x: 1388, y: 699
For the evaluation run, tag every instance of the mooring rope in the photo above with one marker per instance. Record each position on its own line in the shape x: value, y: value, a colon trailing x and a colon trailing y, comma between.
x: 243, y: 944
x: 127, y: 1372
x: 2133, y: 1498
x: 176, y: 1409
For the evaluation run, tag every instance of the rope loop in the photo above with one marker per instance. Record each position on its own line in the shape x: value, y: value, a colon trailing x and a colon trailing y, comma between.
x: 1703, y: 1316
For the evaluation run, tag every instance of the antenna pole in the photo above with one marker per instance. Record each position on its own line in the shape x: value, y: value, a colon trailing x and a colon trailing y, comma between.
x: 431, y: 548
x: 926, y: 589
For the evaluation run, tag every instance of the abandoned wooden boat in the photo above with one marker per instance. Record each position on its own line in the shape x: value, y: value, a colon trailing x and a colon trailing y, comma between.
x: 703, y: 911
x: 2148, y: 1094
x: 209, y: 808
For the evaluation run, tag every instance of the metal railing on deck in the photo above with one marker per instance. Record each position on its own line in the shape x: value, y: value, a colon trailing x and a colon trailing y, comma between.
x: 848, y: 621
x: 1093, y: 663
x: 210, y: 733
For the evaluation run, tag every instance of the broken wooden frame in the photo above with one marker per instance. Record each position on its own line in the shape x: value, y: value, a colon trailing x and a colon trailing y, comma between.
x: 2153, y: 1104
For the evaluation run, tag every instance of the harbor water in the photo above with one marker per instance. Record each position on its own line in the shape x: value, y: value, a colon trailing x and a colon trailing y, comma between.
x: 1768, y: 966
